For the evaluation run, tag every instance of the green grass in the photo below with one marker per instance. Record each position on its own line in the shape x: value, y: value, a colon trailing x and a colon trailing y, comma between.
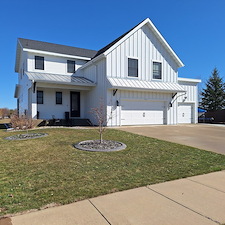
x: 36, y: 172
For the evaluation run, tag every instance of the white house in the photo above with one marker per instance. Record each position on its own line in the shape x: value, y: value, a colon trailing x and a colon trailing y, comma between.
x: 135, y: 77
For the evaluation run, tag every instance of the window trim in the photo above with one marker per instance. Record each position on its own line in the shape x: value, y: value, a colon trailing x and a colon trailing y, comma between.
x: 42, y: 102
x: 68, y: 65
x: 127, y: 67
x: 35, y: 65
x: 58, y: 103
x: 157, y: 61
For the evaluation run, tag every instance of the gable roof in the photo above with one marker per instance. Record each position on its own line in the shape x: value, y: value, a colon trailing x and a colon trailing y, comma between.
x: 50, y: 47
x: 56, y: 48
x: 108, y: 48
x: 102, y: 50
x: 91, y: 54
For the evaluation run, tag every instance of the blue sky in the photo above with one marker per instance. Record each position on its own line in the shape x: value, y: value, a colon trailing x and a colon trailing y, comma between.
x: 195, y: 29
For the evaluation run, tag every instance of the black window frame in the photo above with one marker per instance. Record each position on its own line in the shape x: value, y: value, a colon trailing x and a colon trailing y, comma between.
x: 157, y: 73
x: 71, y: 66
x: 40, y: 97
x: 39, y: 62
x: 58, y: 99
x: 132, y: 69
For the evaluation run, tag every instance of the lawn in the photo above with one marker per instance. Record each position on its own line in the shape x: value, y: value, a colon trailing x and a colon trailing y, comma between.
x: 5, y: 120
x: 37, y: 172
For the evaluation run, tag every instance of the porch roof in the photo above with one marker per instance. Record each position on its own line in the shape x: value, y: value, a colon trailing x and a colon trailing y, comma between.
x: 59, y: 79
x: 133, y: 84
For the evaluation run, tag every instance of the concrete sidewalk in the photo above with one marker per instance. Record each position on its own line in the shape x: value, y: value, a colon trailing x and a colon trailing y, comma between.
x: 198, y: 200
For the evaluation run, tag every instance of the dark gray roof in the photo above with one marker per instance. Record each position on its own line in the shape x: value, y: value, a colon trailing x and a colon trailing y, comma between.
x: 68, y: 50
x: 114, y: 42
x: 62, y: 49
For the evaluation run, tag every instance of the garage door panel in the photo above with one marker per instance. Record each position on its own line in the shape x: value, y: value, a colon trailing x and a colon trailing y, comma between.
x: 142, y: 112
x: 185, y: 113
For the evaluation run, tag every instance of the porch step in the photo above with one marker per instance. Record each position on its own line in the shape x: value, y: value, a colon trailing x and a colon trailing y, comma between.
x: 81, y: 122
x: 67, y: 123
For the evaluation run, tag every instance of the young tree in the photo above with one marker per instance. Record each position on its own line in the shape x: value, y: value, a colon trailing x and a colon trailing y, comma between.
x: 213, y: 96
x: 100, y: 114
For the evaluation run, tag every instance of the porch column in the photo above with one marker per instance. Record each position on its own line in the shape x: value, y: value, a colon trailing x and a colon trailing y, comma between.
x: 34, y: 102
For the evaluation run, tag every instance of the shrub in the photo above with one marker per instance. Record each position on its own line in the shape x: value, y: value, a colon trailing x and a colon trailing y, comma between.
x: 21, y: 123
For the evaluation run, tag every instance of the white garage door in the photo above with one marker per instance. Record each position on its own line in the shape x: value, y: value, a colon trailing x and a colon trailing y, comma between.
x: 185, y: 113
x: 142, y: 112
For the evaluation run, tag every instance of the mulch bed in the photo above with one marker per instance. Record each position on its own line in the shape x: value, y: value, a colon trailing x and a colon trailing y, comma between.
x: 96, y: 145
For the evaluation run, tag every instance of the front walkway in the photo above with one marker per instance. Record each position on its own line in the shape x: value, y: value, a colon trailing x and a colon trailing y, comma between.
x: 196, y: 200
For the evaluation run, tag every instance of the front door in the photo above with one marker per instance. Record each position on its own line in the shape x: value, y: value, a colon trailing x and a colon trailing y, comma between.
x: 75, y: 104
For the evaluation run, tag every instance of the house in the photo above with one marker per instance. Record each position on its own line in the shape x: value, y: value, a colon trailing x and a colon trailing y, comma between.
x: 135, y: 76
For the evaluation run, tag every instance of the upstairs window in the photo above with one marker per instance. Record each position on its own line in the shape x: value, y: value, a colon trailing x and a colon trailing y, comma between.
x: 58, y: 98
x: 39, y: 63
x: 70, y: 66
x: 157, y: 70
x: 40, y: 97
x: 132, y: 67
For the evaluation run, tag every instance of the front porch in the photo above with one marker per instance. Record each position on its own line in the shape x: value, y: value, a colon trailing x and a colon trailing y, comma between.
x: 58, y: 99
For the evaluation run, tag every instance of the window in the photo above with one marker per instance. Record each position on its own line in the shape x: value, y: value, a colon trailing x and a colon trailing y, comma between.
x: 70, y: 66
x: 39, y: 63
x: 58, y: 98
x: 157, y: 70
x: 40, y: 97
x: 132, y: 67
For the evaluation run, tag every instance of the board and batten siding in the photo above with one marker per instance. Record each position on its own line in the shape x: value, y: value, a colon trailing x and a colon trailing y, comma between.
x: 144, y: 46
x: 97, y: 73
x: 114, y: 111
x: 191, y: 96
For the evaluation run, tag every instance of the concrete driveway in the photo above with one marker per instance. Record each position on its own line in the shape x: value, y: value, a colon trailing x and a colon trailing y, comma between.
x: 209, y: 137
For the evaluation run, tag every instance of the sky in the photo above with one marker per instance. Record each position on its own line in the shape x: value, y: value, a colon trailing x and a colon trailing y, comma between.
x: 195, y: 29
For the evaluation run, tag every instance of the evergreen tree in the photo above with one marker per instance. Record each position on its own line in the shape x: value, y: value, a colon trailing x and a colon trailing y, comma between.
x: 213, y: 96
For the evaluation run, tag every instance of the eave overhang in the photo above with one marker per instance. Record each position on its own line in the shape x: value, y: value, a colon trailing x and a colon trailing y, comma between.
x: 17, y: 91
x: 153, y: 86
x: 60, y: 79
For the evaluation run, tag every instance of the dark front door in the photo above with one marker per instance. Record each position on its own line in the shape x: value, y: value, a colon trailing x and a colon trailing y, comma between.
x: 75, y: 104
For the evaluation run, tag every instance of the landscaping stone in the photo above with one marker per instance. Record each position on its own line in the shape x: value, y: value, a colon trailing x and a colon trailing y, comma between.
x: 97, y: 146
x: 26, y: 136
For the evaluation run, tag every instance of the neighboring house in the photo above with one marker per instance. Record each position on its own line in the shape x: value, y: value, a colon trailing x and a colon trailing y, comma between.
x: 135, y: 76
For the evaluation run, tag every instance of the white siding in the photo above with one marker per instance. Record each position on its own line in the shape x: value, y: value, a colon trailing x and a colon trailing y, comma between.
x: 25, y: 84
x: 144, y: 46
x: 52, y: 64
x: 50, y: 109
x: 98, y: 93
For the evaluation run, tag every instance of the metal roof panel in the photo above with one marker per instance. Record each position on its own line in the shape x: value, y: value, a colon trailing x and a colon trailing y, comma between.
x: 60, y: 79
x: 144, y: 85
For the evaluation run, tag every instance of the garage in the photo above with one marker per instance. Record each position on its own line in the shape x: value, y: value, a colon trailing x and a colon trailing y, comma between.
x: 185, y: 113
x: 142, y: 112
